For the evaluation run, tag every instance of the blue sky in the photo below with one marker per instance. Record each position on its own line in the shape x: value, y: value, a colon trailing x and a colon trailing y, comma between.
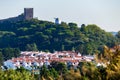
x: 104, y: 13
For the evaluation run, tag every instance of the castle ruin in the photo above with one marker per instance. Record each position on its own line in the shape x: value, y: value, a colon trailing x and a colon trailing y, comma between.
x: 27, y: 15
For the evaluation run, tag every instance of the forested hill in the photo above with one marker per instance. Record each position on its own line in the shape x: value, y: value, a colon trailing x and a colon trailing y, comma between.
x: 48, y: 36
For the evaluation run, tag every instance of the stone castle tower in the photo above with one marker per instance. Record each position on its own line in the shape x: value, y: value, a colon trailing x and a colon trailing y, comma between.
x: 28, y: 13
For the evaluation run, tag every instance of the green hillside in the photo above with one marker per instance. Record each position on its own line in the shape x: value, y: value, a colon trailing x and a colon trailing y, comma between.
x: 48, y: 36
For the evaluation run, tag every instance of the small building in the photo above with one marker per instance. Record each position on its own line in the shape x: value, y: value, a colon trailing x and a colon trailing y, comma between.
x: 57, y: 21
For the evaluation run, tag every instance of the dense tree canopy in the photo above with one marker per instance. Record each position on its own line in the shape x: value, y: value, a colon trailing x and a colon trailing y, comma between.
x: 15, y: 75
x: 118, y: 35
x: 47, y: 36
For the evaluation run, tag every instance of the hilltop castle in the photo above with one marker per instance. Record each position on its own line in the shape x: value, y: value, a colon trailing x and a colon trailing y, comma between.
x: 27, y: 15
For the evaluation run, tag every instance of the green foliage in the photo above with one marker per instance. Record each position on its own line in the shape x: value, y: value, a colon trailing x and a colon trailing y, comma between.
x: 31, y: 47
x: 89, y: 70
x: 54, y: 73
x: 8, y: 53
x: 72, y: 75
x: 60, y: 67
x: 118, y: 34
x: 15, y: 75
x: 111, y: 60
x: 95, y: 37
x: 1, y: 58
x: 45, y: 72
x: 21, y: 69
x: 49, y: 36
